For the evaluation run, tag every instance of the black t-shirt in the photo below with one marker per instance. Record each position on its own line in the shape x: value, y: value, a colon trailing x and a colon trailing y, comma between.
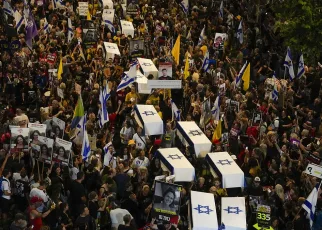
x: 77, y: 191
x: 93, y: 208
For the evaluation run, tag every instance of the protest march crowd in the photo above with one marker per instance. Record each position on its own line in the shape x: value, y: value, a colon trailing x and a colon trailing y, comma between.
x: 165, y: 114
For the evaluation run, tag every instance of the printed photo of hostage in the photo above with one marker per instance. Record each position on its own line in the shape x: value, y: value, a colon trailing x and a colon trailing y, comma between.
x: 165, y: 71
x: 166, y: 202
x: 62, y: 151
x: 46, y: 149
x: 19, y: 139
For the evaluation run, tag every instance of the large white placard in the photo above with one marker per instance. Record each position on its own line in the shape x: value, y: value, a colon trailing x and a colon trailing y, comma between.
x: 127, y: 28
x: 83, y: 8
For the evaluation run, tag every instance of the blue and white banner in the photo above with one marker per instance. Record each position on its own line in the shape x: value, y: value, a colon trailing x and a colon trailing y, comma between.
x: 185, y: 6
x: 202, y: 36
x: 175, y: 111
x: 110, y: 25
x: 191, y: 135
x: 7, y: 8
x: 216, y: 109
x: 46, y: 26
x: 288, y: 63
x: 223, y: 166
x: 19, y: 19
x: 233, y: 213
x: 103, y: 114
x: 125, y: 82
x: 70, y: 31
x: 240, y: 74
x: 300, y: 71
x: 177, y: 164
x: 274, y: 95
x: 240, y: 34
x: 148, y: 118
x: 310, y: 203
x: 86, y: 149
x: 203, y: 211
x: 221, y: 9
x: 205, y: 63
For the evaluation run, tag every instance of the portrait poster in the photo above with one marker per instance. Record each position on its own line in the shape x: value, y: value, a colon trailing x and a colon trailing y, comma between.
x: 82, y: 8
x: 36, y: 130
x: 257, y: 119
x: 220, y: 38
x: 233, y: 105
x: 19, y: 140
x: 58, y: 127
x: 165, y: 71
x: 166, y: 202
x: 137, y: 48
x: 45, y: 148
x: 132, y: 7
x: 89, y: 34
x: 62, y: 151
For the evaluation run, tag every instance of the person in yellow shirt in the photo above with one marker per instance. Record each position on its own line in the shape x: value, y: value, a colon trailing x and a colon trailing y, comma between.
x: 133, y: 94
x: 157, y: 108
x: 154, y: 98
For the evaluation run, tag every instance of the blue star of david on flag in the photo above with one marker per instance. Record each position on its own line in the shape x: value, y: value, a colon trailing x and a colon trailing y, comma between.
x: 203, y: 209
x: 225, y: 162
x: 175, y: 157
x: 233, y: 210
x: 148, y: 113
x: 195, y: 132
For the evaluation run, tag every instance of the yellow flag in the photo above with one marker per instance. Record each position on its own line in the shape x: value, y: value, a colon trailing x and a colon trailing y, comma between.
x: 89, y: 17
x: 217, y: 134
x: 176, y: 50
x: 60, y: 69
x: 246, y: 78
x: 186, y: 68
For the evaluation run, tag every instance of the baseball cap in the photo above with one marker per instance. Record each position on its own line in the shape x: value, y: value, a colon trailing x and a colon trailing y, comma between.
x: 257, y: 179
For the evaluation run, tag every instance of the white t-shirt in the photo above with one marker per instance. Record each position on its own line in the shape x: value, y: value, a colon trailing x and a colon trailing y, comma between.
x: 5, y: 186
x: 117, y: 216
x: 38, y: 193
x: 140, y: 163
x: 73, y: 173
x: 139, y: 141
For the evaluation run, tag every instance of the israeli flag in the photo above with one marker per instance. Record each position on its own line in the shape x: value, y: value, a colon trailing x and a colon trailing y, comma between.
x: 275, y: 91
x: 205, y: 64
x: 216, y: 109
x: 19, y: 19
x: 175, y: 111
x: 221, y: 9
x: 128, y: 78
x: 103, y: 114
x: 240, y: 34
x: 70, y: 34
x: 289, y: 64
x: 240, y: 74
x: 7, y: 8
x: 46, y: 25
x: 58, y: 4
x: 300, y: 71
x: 185, y: 6
x: 202, y: 36
x: 110, y: 25
x: 86, y: 149
x: 310, y: 203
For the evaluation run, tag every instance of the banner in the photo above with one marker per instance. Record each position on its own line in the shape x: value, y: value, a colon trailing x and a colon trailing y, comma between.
x: 83, y: 8
x: 166, y: 202
x: 62, y: 151
x: 19, y: 139
x: 43, y: 150
x: 263, y: 216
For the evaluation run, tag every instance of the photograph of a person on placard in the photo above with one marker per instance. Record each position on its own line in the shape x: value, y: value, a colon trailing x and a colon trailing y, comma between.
x: 45, y: 152
x: 132, y: 5
x: 137, y: 48
x: 165, y: 75
x: 56, y: 131
x: 34, y: 137
x: 20, y: 142
x: 61, y: 154
x: 166, y: 197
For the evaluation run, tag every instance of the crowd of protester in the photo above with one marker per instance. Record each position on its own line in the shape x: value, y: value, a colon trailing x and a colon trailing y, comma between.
x: 116, y: 193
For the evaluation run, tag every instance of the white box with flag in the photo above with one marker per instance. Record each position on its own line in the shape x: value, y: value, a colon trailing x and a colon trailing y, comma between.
x: 127, y: 28
x: 176, y: 163
x: 108, y: 3
x: 108, y: 14
x: 147, y: 117
x: 233, y: 213
x: 111, y: 50
x: 203, y: 211
x: 224, y: 167
x: 148, y: 67
x: 142, y: 83
x: 191, y: 135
